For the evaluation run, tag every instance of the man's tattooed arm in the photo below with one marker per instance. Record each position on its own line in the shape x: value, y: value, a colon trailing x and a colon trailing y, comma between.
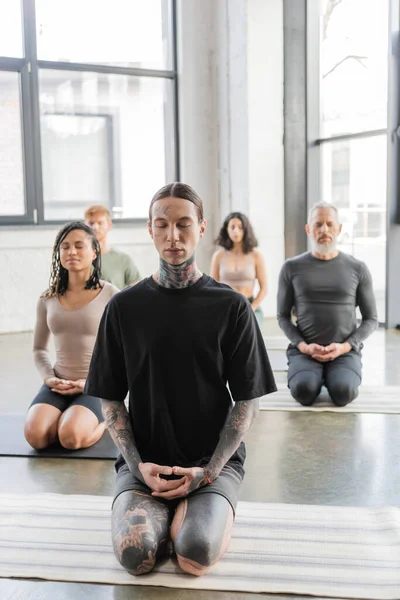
x: 237, y: 425
x: 118, y: 424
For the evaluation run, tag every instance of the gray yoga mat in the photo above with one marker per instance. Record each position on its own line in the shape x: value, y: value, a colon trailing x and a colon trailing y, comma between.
x: 13, y: 443
x: 322, y: 551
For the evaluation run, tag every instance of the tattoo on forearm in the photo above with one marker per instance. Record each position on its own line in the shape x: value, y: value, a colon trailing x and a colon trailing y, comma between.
x: 236, y: 426
x: 124, y: 436
x: 111, y: 415
x: 199, y: 481
x: 118, y: 424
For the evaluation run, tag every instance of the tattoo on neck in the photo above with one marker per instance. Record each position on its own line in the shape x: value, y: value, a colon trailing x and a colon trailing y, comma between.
x: 179, y: 276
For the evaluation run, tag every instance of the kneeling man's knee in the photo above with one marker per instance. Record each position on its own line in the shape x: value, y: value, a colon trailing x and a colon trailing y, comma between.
x: 195, y: 554
x: 305, y: 391
x: 342, y: 394
x: 135, y: 560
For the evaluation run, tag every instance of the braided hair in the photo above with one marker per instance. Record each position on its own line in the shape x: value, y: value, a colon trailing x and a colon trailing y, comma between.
x: 59, y: 276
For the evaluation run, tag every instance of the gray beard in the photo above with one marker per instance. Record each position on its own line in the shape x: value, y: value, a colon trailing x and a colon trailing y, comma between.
x: 323, y: 248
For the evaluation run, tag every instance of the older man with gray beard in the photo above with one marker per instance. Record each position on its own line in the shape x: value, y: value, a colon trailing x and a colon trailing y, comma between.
x: 323, y: 289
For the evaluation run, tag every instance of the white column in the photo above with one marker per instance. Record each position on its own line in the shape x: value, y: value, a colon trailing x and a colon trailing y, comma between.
x: 197, y: 111
x: 265, y: 101
x: 232, y: 58
x: 231, y: 118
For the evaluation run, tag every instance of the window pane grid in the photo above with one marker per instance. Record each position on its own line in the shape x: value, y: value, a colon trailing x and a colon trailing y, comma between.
x: 11, y: 157
x: 93, y: 125
x: 353, y: 128
x: 142, y: 38
x: 116, y: 143
x: 353, y: 66
x: 11, y: 38
x: 354, y: 180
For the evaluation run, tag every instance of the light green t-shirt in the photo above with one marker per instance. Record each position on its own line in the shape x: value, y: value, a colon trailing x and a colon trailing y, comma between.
x: 118, y: 268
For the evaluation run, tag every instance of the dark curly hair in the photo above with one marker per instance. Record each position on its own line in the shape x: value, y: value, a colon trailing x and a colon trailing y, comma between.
x: 249, y: 239
x: 59, y: 276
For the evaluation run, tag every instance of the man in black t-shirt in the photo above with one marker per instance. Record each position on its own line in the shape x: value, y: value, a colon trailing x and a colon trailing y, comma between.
x: 173, y: 342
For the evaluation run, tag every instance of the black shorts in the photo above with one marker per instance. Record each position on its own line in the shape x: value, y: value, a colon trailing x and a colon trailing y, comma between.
x: 46, y: 396
x: 227, y: 484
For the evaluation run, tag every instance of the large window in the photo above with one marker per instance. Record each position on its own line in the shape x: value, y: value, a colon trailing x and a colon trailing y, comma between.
x: 125, y: 33
x: 99, y: 133
x: 11, y: 164
x: 352, y: 141
x: 354, y: 66
x: 11, y: 29
x: 87, y: 107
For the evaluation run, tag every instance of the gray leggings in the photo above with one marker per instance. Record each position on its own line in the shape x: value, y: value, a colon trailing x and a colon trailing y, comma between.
x: 306, y: 376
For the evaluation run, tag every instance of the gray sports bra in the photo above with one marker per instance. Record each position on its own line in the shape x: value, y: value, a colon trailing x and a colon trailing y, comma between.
x: 244, y: 276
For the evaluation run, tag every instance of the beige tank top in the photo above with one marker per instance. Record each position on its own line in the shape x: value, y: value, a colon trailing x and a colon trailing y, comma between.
x: 244, y: 276
x: 74, y: 334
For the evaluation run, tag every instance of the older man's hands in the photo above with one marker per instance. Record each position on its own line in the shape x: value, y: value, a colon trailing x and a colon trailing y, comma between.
x: 324, y: 353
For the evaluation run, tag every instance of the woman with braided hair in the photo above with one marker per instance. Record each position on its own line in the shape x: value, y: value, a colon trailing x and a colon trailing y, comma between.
x: 70, y: 309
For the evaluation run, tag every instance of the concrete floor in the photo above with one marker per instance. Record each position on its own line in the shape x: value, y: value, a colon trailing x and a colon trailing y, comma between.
x: 303, y: 458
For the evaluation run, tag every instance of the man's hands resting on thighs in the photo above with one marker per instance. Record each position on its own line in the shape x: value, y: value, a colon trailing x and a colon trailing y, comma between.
x: 190, y: 479
x: 324, y: 353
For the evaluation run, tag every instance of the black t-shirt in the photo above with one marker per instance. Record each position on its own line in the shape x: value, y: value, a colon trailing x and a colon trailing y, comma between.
x: 174, y: 350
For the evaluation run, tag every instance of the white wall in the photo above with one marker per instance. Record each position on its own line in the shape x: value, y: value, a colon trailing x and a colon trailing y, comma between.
x: 265, y: 100
x: 197, y: 111
x: 231, y: 132
x: 249, y: 84
x: 231, y: 57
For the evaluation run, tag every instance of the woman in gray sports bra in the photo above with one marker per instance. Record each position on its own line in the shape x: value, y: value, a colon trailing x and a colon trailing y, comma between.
x: 238, y: 263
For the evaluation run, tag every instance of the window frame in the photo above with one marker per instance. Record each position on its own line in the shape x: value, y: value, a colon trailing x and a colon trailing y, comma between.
x: 313, y: 105
x: 315, y: 139
x: 28, y: 67
x: 21, y: 67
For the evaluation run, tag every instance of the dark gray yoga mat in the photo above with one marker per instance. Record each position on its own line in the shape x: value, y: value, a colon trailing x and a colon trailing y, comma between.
x: 13, y: 443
